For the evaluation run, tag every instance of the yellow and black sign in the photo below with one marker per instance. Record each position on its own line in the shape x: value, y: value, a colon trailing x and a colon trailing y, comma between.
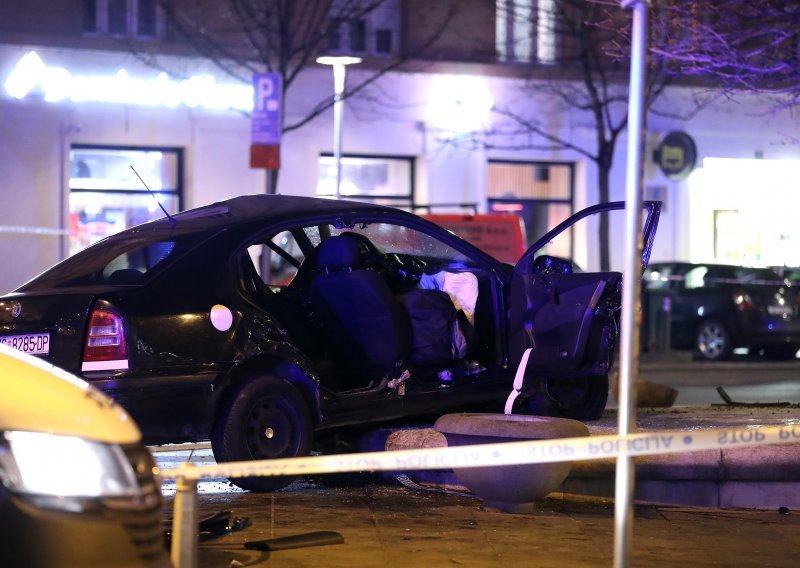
x: 676, y: 155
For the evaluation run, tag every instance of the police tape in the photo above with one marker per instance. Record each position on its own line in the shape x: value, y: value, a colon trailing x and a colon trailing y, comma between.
x: 499, y: 454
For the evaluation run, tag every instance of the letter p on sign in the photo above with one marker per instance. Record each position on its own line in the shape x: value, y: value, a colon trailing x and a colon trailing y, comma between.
x: 266, y: 117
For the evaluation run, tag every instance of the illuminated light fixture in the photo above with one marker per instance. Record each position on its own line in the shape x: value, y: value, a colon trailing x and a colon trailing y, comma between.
x: 507, y: 207
x: 459, y: 102
x: 58, y: 84
x: 339, y: 64
x: 26, y: 74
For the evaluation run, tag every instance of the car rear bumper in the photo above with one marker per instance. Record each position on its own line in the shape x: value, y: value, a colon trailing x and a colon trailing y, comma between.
x: 174, y: 408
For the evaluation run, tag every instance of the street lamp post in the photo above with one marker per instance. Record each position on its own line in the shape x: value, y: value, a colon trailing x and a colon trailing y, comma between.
x: 339, y: 64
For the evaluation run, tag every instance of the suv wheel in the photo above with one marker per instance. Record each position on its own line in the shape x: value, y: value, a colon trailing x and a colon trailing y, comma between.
x: 263, y: 418
x: 712, y: 341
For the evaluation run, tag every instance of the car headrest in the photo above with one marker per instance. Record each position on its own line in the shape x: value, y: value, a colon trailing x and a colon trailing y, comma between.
x: 339, y: 252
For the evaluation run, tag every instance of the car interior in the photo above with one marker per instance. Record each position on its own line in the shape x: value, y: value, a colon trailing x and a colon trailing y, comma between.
x: 368, y: 318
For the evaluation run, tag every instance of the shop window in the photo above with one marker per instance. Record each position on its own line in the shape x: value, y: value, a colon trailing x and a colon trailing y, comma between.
x: 377, y: 179
x: 540, y: 192
x: 106, y: 195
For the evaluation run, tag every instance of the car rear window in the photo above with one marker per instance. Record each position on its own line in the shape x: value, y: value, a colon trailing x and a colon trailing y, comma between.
x: 122, y: 262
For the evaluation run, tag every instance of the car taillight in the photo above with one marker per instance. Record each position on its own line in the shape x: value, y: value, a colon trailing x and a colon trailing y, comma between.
x: 742, y: 300
x: 105, y: 343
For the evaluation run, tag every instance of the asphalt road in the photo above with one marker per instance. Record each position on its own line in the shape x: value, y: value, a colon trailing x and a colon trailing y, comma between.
x: 745, y: 379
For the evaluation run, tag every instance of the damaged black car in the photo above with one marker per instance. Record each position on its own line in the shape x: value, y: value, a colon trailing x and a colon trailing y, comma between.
x: 261, y: 323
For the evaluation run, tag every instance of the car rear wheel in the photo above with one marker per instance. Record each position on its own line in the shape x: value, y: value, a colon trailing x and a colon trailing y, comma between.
x: 712, y: 341
x: 263, y: 418
x: 579, y: 398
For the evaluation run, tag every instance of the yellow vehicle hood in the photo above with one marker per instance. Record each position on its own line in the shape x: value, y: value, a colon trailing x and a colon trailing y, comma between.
x: 38, y: 397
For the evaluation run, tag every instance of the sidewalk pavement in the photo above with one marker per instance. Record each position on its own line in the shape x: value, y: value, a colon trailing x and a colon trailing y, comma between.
x: 390, y: 525
x: 748, y: 513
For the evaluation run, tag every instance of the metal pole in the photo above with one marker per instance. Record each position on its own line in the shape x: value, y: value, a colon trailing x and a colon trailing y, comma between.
x: 339, y: 64
x: 338, y: 91
x: 184, y: 523
x: 631, y: 293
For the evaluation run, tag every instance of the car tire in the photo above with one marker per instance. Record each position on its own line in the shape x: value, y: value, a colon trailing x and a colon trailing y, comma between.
x: 579, y: 398
x: 712, y: 341
x: 263, y: 418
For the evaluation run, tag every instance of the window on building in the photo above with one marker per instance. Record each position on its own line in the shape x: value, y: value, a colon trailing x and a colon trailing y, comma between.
x: 540, y: 192
x: 383, y: 41
x: 90, y: 16
x: 335, y: 34
x: 358, y: 36
x: 106, y: 195
x: 377, y: 179
x: 130, y: 18
x: 363, y: 27
x: 146, y: 18
x: 117, y: 17
x: 525, y: 30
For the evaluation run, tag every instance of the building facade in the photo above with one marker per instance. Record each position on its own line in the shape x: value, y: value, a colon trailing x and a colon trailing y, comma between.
x: 108, y: 117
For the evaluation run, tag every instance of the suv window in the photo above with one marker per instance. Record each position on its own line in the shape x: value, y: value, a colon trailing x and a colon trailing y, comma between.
x: 657, y: 277
x: 695, y: 278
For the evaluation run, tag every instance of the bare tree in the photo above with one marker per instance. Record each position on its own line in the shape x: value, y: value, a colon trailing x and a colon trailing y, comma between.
x: 244, y: 37
x: 575, y: 57
x: 738, y: 45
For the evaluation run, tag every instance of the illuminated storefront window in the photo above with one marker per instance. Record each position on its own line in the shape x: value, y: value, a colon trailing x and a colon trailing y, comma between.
x: 743, y: 211
x: 107, y: 196
x: 540, y: 192
x: 377, y: 179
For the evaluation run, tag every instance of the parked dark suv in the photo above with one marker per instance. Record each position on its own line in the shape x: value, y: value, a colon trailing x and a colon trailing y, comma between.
x: 715, y: 308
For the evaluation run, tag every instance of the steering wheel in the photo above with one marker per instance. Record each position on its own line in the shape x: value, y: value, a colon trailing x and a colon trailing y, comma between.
x: 403, y: 271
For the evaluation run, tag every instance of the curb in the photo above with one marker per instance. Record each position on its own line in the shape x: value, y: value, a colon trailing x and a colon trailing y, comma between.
x: 758, y: 477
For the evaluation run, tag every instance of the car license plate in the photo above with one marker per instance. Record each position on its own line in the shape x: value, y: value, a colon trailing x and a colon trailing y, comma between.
x: 33, y: 343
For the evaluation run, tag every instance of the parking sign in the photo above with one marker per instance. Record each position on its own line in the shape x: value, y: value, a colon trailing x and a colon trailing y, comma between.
x: 266, y: 117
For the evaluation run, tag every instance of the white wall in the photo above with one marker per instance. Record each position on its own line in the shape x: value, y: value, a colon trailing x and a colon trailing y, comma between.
x: 401, y: 114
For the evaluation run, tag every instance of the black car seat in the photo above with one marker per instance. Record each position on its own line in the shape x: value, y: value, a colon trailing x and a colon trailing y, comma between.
x: 365, y: 329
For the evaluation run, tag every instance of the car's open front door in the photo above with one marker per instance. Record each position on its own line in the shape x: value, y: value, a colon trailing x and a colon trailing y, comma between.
x: 567, y: 317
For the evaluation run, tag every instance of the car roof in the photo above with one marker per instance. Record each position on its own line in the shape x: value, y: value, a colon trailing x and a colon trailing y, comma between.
x: 263, y: 208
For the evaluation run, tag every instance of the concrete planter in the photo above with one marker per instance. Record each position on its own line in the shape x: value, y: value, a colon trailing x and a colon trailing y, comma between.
x: 509, y: 488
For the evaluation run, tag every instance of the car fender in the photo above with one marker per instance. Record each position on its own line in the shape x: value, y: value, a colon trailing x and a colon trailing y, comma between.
x: 283, y: 361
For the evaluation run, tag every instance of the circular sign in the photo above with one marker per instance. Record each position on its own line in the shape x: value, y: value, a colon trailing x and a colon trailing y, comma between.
x: 221, y: 317
x: 676, y: 155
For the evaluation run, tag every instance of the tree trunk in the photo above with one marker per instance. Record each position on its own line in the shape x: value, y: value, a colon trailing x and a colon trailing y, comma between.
x: 603, y: 184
